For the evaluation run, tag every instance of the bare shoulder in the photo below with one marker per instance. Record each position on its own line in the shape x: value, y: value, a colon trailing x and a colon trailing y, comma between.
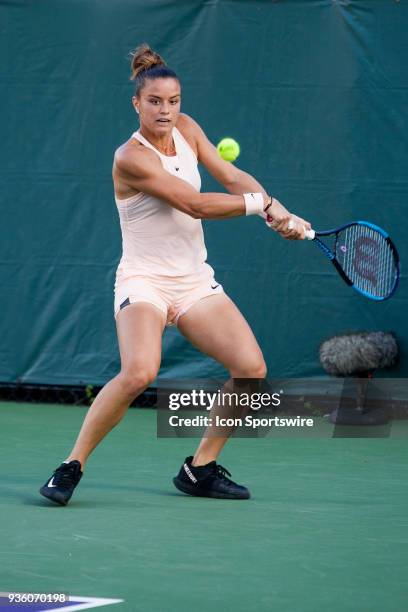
x: 132, y: 161
x: 190, y: 130
x: 133, y: 157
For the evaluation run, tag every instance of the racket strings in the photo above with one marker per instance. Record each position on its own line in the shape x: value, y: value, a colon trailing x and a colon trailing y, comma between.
x: 367, y: 259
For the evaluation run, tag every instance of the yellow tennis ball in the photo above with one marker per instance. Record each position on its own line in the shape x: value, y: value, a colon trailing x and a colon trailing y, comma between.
x: 228, y: 149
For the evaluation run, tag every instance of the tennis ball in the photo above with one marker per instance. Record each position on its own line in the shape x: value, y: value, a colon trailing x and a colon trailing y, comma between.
x: 228, y: 149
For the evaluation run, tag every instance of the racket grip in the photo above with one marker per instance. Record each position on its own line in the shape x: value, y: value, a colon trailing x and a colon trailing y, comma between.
x: 309, y: 234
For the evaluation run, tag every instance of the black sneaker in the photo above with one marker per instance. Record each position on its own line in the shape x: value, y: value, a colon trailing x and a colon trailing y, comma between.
x: 208, y: 481
x: 62, y: 483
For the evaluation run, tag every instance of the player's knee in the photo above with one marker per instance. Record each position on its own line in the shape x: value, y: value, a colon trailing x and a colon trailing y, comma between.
x: 136, y: 380
x: 259, y: 370
x: 255, y: 368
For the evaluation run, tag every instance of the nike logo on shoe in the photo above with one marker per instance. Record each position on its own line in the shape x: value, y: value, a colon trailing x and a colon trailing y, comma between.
x: 50, y: 484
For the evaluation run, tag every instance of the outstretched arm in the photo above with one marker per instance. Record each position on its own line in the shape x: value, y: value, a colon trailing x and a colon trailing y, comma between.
x: 143, y: 171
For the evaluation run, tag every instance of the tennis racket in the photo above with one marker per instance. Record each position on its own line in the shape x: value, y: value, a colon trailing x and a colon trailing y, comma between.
x: 364, y: 256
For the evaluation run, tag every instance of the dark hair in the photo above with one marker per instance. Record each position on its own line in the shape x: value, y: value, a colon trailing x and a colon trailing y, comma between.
x: 147, y: 64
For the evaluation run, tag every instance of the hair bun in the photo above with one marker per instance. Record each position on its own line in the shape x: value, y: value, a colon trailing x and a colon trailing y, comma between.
x: 144, y: 58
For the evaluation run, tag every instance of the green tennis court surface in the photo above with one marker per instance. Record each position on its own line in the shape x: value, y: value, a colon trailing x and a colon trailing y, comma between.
x: 326, y: 527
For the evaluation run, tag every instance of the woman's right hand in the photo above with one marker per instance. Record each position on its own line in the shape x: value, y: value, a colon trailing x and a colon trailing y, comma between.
x: 277, y: 217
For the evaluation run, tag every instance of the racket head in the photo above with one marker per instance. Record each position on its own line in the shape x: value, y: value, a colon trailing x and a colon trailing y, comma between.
x: 366, y: 258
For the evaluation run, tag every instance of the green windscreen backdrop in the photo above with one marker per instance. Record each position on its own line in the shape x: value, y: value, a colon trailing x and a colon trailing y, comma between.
x: 316, y: 93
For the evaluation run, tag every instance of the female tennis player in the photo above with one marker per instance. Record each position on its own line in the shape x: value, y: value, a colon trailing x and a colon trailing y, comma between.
x: 163, y: 277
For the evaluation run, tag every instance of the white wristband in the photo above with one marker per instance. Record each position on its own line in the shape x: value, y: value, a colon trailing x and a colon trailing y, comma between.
x: 254, y: 203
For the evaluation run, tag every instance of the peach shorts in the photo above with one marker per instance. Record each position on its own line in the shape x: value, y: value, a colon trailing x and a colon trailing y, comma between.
x: 178, y: 292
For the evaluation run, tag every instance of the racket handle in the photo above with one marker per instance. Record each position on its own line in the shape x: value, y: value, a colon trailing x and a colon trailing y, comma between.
x: 309, y: 234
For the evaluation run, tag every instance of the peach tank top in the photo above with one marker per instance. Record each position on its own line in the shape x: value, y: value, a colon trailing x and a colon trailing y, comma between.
x: 156, y: 238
